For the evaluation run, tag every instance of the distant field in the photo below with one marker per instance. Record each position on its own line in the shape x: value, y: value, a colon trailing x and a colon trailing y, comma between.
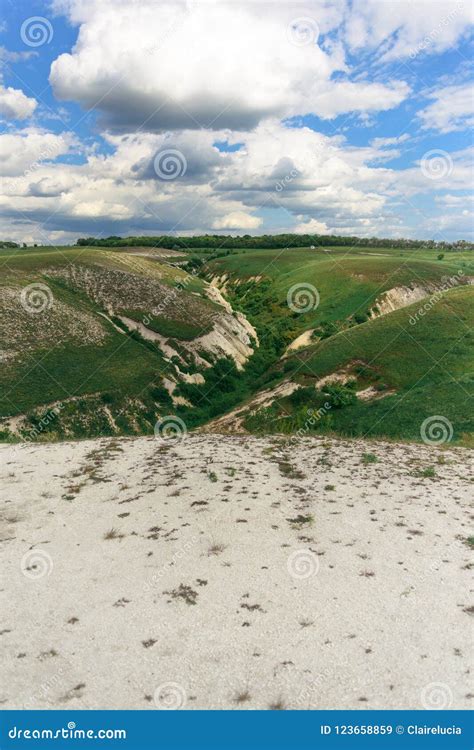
x: 252, y: 262
x: 347, y: 283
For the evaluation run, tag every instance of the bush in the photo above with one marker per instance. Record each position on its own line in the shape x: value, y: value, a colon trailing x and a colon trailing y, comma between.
x: 340, y: 395
x: 289, y: 365
x: 160, y: 394
x: 325, y: 329
x: 363, y: 370
x: 107, y: 398
x: 303, y: 396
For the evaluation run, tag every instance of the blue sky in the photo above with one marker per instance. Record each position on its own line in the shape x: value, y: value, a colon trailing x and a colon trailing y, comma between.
x: 325, y: 116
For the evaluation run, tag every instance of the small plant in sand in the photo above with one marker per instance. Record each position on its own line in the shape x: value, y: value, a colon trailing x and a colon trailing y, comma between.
x: 215, y: 549
x: 427, y: 473
x: 184, y: 592
x: 299, y: 521
x: 278, y: 705
x: 212, y: 476
x: 369, y: 458
x: 113, y: 534
x: 288, y: 470
x: 242, y: 697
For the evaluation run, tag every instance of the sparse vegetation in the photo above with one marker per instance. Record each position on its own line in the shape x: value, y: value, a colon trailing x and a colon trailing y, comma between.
x: 299, y: 521
x: 369, y: 458
x: 242, y: 697
x: 216, y: 549
x: 278, y: 705
x: 184, y: 592
x: 428, y: 472
x: 112, y: 534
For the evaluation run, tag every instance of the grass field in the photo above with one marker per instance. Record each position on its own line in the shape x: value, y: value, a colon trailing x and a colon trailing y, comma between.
x: 347, y: 282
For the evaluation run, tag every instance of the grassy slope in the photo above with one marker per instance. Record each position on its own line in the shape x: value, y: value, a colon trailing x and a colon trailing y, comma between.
x: 274, y: 262
x: 429, y: 365
x: 347, y: 283
x: 51, y: 372
x: 117, y: 369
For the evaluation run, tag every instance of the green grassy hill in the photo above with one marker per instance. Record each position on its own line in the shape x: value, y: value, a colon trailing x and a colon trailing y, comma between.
x: 406, y: 368
x: 348, y: 281
x: 117, y: 338
x: 78, y: 328
x: 416, y: 370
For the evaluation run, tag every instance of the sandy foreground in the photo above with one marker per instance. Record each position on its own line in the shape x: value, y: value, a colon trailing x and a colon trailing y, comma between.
x: 235, y: 572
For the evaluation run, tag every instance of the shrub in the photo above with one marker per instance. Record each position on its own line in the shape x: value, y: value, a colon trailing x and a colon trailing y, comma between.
x: 107, y: 398
x: 428, y: 473
x: 325, y: 329
x: 160, y: 394
x: 340, y: 395
x: 302, y: 396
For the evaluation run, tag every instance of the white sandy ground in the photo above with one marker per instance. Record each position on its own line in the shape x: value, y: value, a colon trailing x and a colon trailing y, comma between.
x: 365, y: 606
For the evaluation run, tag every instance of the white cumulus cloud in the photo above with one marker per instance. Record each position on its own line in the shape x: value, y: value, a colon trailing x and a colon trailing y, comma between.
x: 237, y: 220
x: 181, y: 65
x: 14, y: 104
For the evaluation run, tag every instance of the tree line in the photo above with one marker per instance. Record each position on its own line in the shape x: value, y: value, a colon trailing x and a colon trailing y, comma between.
x: 276, y: 241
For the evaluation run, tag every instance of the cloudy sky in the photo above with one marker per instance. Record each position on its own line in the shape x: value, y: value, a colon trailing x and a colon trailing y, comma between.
x: 192, y: 116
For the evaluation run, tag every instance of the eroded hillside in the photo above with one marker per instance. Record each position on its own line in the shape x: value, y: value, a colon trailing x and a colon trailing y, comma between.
x: 108, y: 339
x: 99, y: 341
